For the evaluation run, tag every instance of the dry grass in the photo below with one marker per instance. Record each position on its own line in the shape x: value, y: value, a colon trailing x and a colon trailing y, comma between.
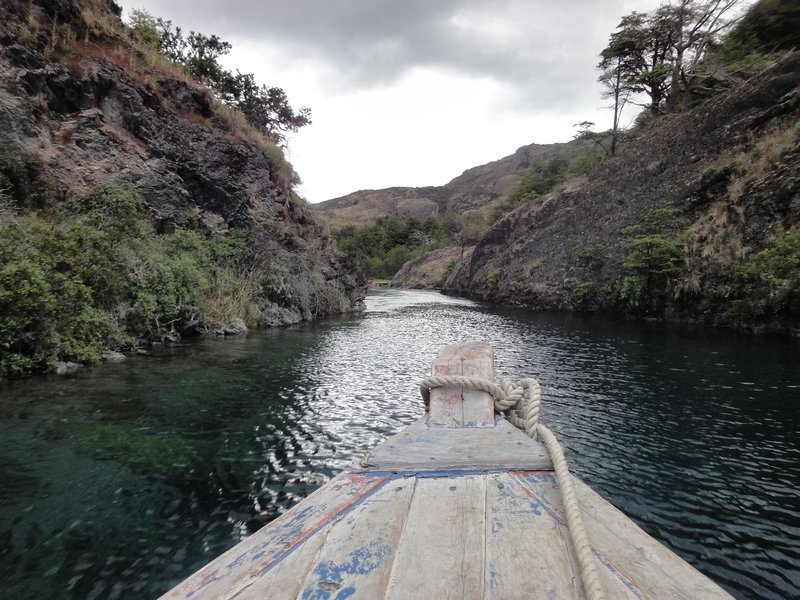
x: 756, y: 163
x: 101, y: 35
x: 689, y: 285
x: 232, y: 297
x: 66, y: 134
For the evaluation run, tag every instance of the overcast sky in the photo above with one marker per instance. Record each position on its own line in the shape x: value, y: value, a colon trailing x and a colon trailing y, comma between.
x: 413, y: 92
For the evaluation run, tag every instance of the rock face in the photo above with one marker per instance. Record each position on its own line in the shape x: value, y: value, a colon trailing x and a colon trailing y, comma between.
x: 430, y: 270
x: 89, y: 105
x: 710, y: 188
x: 476, y: 189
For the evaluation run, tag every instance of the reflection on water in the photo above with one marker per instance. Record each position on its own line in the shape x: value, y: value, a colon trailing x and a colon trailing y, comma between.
x: 123, y: 480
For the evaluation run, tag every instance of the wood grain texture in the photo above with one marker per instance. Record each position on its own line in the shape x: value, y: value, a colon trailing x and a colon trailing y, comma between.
x: 420, y: 448
x: 450, y: 534
x: 441, y: 552
x: 286, y: 581
x: 457, y: 407
x: 250, y: 560
x: 527, y: 551
x: 359, y: 551
x: 631, y: 564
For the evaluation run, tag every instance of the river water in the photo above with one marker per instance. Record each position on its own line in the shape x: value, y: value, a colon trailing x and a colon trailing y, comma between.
x: 123, y: 480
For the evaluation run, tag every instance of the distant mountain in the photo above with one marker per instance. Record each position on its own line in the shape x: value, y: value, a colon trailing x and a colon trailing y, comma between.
x: 476, y: 189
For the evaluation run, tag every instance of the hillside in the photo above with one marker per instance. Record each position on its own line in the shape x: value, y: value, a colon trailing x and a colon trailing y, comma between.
x: 697, y: 220
x: 134, y: 206
x: 478, y: 189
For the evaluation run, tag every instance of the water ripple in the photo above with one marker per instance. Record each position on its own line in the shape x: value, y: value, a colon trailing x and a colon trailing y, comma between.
x: 184, y: 453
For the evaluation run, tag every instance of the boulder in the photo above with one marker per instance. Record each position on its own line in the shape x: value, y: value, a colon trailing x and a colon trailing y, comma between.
x: 277, y: 316
x: 66, y: 368
x: 235, y: 327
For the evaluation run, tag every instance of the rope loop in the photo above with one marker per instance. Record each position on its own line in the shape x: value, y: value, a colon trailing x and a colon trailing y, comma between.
x: 510, y: 400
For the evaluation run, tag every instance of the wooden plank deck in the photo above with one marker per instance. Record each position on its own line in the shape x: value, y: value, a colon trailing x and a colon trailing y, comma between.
x: 450, y: 534
x: 420, y: 447
x: 446, y: 509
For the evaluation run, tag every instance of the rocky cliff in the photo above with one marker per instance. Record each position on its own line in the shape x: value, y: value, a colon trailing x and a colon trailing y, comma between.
x: 478, y: 189
x: 430, y: 271
x: 88, y: 106
x: 695, y: 221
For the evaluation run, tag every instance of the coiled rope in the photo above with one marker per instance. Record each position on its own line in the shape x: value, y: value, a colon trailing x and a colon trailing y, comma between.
x: 509, y: 400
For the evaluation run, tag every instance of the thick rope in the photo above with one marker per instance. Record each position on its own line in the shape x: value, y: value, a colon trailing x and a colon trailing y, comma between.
x: 509, y: 400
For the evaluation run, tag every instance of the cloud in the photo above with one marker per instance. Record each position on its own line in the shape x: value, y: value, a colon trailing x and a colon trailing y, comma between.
x: 412, y: 92
x: 542, y: 50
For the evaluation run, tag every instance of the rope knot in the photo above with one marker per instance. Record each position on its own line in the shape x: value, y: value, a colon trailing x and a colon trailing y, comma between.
x: 509, y: 399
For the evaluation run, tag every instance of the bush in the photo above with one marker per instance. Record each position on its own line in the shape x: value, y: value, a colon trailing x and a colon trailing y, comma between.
x: 769, y: 283
x: 651, y: 261
x: 381, y: 249
x: 95, y: 276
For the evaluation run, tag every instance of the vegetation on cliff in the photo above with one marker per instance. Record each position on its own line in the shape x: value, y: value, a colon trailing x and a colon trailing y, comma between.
x: 138, y: 204
x: 695, y: 218
x: 380, y: 250
x: 91, y: 273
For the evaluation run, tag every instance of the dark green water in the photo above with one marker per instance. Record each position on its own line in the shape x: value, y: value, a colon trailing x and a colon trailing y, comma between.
x: 123, y: 480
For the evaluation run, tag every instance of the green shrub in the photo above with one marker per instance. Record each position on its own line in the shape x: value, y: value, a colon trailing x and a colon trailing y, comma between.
x: 493, y: 278
x: 653, y: 256
x: 769, y: 283
x: 95, y: 276
x: 381, y: 249
x: 651, y: 261
x: 584, y: 291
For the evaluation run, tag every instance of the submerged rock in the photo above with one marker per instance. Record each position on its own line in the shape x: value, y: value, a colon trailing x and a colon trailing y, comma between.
x: 111, y: 356
x: 67, y: 368
x: 235, y: 327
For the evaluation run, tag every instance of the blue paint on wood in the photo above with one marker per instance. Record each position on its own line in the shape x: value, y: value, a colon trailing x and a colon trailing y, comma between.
x: 330, y: 575
x: 497, y: 525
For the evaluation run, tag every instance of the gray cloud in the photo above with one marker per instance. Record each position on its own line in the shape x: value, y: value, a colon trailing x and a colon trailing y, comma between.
x: 543, y: 50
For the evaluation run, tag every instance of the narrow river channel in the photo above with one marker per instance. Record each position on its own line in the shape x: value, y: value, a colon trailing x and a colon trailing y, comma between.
x: 121, y: 481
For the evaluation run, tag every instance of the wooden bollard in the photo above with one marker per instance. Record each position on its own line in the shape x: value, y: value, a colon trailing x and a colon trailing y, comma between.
x: 457, y: 407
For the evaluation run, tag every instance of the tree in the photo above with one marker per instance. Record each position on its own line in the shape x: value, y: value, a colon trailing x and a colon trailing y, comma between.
x: 658, y: 54
x: 768, y: 26
x: 145, y: 28
x: 201, y: 57
x: 614, y: 89
x: 587, y: 133
x: 267, y: 108
x: 637, y: 59
x: 694, y: 25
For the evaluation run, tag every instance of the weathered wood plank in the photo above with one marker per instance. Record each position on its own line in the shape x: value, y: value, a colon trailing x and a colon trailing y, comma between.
x: 441, y: 553
x: 527, y: 550
x: 631, y: 564
x: 240, y: 566
x: 456, y: 407
x: 421, y: 448
x: 357, y: 557
x: 286, y: 579
x: 635, y: 562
